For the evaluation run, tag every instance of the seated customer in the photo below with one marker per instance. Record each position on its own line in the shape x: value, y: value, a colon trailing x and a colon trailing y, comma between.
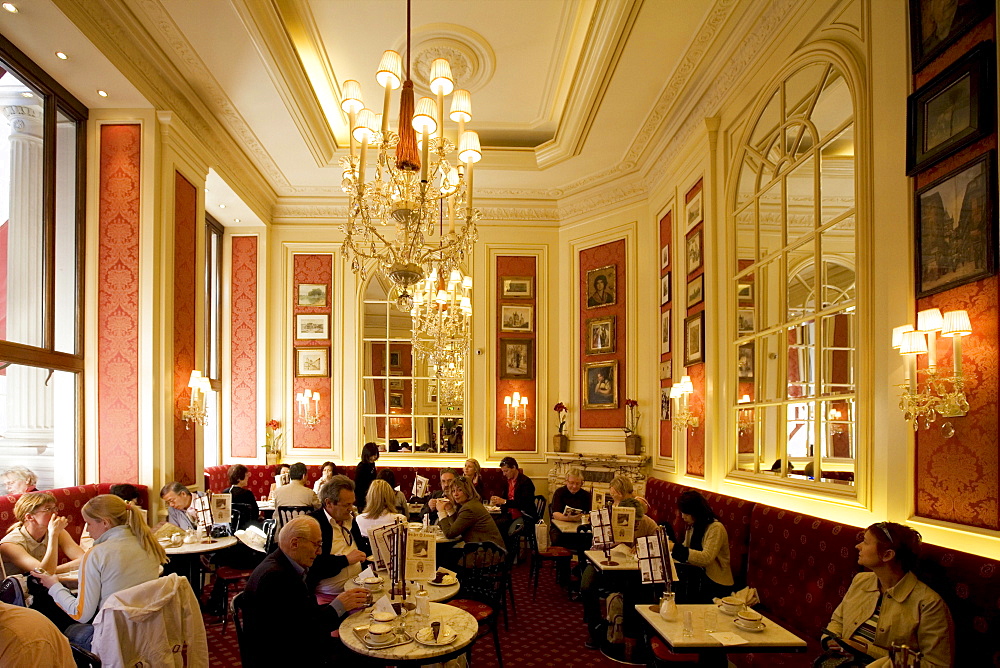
x: 123, y: 491
x: 329, y: 470
x: 340, y: 557
x: 29, y: 640
x: 519, y: 494
x: 437, y: 498
x: 703, y: 557
x: 390, y: 477
x: 279, y: 471
x: 277, y: 600
x: 888, y: 604
x: 463, y: 514
x: 571, y: 495
x: 125, y: 554
x: 243, y: 499
x: 186, y: 508
x: 380, y: 508
x: 20, y: 479
x: 295, y: 493
x: 473, y: 471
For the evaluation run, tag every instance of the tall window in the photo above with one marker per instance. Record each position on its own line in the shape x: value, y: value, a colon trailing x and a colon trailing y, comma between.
x: 404, y: 401
x: 794, y: 278
x: 41, y: 242
x: 214, y: 235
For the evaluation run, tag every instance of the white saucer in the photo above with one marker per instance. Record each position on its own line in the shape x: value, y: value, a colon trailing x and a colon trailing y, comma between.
x: 425, y: 636
x: 446, y: 582
x: 371, y: 640
x: 751, y: 629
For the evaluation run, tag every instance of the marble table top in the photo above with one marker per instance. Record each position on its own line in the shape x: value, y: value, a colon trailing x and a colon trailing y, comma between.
x: 624, y: 562
x: 461, y: 622
x: 200, y: 548
x: 773, y: 638
x: 567, y: 527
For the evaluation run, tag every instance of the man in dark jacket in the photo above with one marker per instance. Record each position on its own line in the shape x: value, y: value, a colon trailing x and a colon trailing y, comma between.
x: 342, y: 543
x: 519, y: 496
x: 277, y: 601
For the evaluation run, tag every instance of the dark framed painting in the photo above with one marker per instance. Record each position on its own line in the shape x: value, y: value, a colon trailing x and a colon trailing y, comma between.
x: 694, y: 252
x: 517, y: 287
x: 602, y: 286
x: 600, y: 384
x: 601, y: 335
x: 937, y: 24
x: 953, y: 110
x: 955, y: 221
x: 694, y: 339
x: 517, y: 358
x: 664, y: 288
x: 696, y: 290
x: 744, y: 361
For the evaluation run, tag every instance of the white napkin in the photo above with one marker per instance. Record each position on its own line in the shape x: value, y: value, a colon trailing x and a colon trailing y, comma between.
x: 748, y: 595
x: 624, y: 550
x: 384, y: 605
x: 367, y: 573
x: 727, y: 638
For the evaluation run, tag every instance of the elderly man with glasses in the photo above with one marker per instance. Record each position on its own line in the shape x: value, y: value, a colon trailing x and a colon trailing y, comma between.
x: 282, y: 621
x: 340, y: 557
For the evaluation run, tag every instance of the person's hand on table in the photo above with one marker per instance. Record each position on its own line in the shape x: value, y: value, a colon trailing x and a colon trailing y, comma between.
x: 356, y: 557
x: 352, y: 599
x: 497, y: 500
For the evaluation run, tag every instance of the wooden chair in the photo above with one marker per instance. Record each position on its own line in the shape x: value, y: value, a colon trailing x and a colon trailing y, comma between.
x: 285, y: 513
x: 238, y: 623
x: 514, y: 532
x: 559, y: 556
x: 482, y: 571
x: 270, y: 531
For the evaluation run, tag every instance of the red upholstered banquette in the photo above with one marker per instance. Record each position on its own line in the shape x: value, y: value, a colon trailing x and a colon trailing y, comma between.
x: 802, y: 566
x: 69, y: 501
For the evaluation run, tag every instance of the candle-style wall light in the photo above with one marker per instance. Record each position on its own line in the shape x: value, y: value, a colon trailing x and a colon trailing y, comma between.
x: 308, y: 407
x: 517, y: 411
x: 196, y: 412
x: 680, y: 392
x: 940, y: 393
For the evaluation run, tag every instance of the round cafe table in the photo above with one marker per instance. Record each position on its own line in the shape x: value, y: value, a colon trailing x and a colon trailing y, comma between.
x: 414, y: 653
x: 187, y: 556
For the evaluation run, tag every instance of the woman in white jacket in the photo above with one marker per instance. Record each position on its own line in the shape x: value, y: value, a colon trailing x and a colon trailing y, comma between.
x: 125, y: 554
x: 705, y: 551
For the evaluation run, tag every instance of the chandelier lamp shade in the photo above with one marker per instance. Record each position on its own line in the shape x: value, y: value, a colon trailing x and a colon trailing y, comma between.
x: 409, y: 188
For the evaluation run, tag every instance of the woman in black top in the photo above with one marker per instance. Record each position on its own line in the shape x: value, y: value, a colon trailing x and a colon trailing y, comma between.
x: 364, y: 474
x: 243, y: 499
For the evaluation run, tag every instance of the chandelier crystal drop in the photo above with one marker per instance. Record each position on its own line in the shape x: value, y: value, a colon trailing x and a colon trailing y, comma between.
x: 400, y: 182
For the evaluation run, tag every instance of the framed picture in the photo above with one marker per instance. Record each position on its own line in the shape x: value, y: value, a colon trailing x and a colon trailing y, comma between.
x: 601, y: 286
x: 666, y: 371
x: 745, y: 321
x: 515, y: 319
x: 312, y: 327
x: 600, y: 384
x: 395, y: 358
x: 696, y: 290
x: 312, y: 294
x: 664, y: 403
x: 665, y: 288
x: 664, y: 333
x: 665, y: 256
x: 312, y: 362
x: 395, y: 400
x: 694, y: 339
x: 395, y: 383
x: 432, y: 391
x: 694, y: 211
x: 601, y: 335
x: 953, y: 110
x: 744, y: 293
x: 744, y: 361
x: 694, y: 252
x: 955, y: 221
x: 936, y: 24
x: 517, y: 358
x: 517, y: 287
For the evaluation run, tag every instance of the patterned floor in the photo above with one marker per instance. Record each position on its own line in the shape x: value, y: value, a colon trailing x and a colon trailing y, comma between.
x: 547, y: 631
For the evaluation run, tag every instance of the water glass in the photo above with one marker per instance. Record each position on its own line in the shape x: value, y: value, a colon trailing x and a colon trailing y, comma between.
x: 688, y: 624
x: 711, y: 620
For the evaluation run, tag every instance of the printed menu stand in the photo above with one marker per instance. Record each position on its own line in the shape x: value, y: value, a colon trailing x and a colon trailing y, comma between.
x: 600, y: 520
x: 656, y: 566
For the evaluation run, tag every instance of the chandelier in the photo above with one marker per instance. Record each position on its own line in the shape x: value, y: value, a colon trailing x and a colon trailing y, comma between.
x: 399, y: 189
x: 441, y: 317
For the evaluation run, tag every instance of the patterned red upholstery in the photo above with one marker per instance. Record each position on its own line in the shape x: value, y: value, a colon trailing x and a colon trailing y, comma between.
x: 69, y: 501
x: 478, y: 610
x: 663, y: 653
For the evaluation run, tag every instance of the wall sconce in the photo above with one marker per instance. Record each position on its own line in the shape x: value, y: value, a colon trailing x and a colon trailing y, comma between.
x: 939, y: 394
x: 683, y: 418
x: 196, y: 412
x: 835, y: 420
x: 308, y: 402
x: 517, y: 411
x: 744, y: 417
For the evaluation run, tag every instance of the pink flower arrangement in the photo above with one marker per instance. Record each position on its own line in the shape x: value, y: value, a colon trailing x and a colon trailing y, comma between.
x: 274, y: 437
x: 562, y: 412
x: 632, y: 416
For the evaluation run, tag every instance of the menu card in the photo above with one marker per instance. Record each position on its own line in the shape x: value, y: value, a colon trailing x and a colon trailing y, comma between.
x: 603, y: 535
x: 222, y: 508
x: 421, y: 556
x: 419, y: 486
x: 202, y: 507
x: 655, y: 563
x: 623, y: 524
x: 382, y: 539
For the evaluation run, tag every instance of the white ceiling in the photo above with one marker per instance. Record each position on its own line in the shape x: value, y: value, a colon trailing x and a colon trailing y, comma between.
x: 561, y: 88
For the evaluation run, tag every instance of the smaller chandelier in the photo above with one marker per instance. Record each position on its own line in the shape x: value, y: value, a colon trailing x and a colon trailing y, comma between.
x: 517, y: 411
x: 682, y: 417
x: 441, y: 318
x: 308, y: 408
x: 196, y: 412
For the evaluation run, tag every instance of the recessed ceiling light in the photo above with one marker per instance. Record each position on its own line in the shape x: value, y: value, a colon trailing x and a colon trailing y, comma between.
x: 236, y: 220
x: 61, y: 56
x: 9, y: 6
x: 102, y: 93
x: 222, y: 206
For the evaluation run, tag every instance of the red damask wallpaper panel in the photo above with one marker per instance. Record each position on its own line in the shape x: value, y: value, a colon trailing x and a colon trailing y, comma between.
x: 609, y: 254
x: 958, y: 478
x: 666, y: 230
x: 185, y: 292
x: 118, y: 303
x: 243, y: 347
x: 315, y: 269
x: 525, y: 439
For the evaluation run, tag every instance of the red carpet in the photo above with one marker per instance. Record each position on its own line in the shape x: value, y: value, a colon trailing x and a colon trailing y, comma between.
x: 548, y: 631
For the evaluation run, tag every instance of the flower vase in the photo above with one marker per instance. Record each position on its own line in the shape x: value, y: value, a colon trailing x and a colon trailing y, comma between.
x: 633, y: 444
x: 271, y: 458
x: 560, y: 443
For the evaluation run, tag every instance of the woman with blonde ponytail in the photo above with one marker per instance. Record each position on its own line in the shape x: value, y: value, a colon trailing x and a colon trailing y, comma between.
x: 125, y: 554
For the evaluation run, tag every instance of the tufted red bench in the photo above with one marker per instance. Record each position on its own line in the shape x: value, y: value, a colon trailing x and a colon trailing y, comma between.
x: 69, y: 501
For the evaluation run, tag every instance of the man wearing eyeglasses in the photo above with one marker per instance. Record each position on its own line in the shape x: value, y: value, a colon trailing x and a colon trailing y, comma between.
x: 277, y: 599
x: 340, y: 559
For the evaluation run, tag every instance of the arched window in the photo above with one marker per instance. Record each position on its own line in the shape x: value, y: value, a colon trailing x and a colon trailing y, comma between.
x: 793, y: 274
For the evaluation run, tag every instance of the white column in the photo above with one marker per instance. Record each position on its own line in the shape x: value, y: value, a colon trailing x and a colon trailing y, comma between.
x: 29, y: 400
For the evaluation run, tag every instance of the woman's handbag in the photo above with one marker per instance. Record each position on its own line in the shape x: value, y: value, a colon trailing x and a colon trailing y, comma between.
x: 833, y: 658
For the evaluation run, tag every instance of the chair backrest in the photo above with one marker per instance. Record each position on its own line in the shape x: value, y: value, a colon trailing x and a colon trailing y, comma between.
x: 482, y: 572
x: 238, y: 622
x: 539, y: 507
x: 285, y: 513
x: 84, y: 659
x: 270, y: 529
x: 11, y: 592
x: 513, y: 537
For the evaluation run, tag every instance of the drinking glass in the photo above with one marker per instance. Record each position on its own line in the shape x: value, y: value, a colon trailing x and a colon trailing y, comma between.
x: 688, y: 624
x: 711, y: 620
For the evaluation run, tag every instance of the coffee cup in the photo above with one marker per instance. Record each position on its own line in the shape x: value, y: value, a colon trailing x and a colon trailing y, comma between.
x: 380, y: 633
x: 731, y: 605
x: 749, y: 617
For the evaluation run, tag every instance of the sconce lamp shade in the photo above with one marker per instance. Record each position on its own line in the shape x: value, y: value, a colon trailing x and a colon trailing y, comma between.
x: 461, y: 106
x: 956, y: 323
x: 351, y: 102
x: 929, y: 320
x: 897, y: 335
x: 423, y: 118
x: 686, y: 385
x: 745, y: 399
x: 195, y: 380
x: 506, y: 400
x: 914, y: 343
x: 441, y: 81
x: 390, y: 70
x: 676, y: 391
x: 469, y: 149
x: 524, y: 401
